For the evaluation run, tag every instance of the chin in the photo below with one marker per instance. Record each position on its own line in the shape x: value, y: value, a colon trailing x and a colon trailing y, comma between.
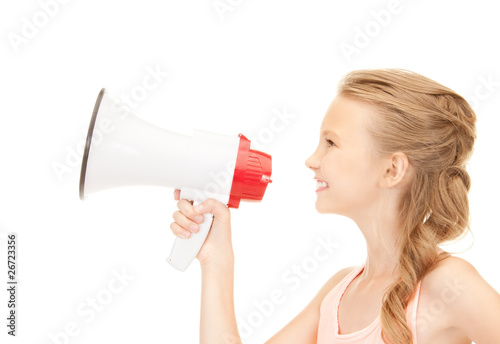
x: 328, y: 207
x: 323, y: 208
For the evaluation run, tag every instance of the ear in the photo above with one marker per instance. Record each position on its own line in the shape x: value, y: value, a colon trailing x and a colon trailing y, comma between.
x: 396, y: 170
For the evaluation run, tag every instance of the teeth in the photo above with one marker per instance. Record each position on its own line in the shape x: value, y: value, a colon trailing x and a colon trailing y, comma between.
x: 321, y: 184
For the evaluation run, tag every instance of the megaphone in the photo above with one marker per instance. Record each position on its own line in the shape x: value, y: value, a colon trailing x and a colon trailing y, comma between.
x: 123, y: 150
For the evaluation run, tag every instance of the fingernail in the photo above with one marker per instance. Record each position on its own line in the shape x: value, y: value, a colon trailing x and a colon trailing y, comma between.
x: 186, y: 234
x: 199, y: 218
x: 193, y: 227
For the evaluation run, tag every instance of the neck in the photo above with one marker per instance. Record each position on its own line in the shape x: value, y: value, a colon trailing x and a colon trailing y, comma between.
x: 381, y: 234
x: 381, y: 258
x: 381, y: 231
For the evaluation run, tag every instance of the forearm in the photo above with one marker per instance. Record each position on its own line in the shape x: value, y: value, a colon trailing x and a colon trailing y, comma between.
x: 218, y: 319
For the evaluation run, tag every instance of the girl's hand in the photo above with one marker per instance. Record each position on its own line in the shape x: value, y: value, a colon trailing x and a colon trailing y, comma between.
x: 217, y: 248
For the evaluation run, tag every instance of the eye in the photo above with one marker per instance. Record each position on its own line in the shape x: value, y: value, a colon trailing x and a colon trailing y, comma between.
x: 330, y: 142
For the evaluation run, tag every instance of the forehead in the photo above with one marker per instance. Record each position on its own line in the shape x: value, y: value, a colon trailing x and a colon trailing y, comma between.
x: 346, y: 116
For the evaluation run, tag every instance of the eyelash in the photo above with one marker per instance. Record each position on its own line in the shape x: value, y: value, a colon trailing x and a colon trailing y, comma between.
x: 330, y: 142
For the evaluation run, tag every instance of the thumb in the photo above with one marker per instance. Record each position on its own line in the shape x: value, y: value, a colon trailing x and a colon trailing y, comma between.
x: 213, y: 206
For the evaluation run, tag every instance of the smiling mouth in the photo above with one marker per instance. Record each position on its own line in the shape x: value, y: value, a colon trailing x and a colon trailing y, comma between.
x: 321, y: 185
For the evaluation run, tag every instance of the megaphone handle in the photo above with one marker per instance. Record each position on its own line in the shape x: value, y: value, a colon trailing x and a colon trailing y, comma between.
x: 185, y: 250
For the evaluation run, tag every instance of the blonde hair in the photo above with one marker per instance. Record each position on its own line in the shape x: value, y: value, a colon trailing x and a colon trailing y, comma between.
x: 436, y: 129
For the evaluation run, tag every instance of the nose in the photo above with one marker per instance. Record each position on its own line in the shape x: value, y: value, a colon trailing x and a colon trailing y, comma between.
x: 312, y: 161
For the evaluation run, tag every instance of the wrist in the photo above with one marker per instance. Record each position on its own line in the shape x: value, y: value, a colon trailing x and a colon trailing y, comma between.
x: 219, y: 263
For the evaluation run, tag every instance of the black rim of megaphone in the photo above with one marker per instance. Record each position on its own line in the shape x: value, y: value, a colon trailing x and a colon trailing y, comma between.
x: 88, y: 142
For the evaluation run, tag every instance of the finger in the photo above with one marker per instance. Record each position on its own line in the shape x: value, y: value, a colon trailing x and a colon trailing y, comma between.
x: 179, y: 231
x: 186, y: 208
x: 185, y: 223
x: 177, y: 195
x: 217, y: 208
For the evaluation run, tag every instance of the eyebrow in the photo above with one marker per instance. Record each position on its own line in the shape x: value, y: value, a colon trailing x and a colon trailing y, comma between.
x: 331, y: 132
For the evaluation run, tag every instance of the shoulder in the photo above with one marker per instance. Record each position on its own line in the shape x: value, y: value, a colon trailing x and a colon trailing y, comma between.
x: 455, y: 279
x: 456, y: 290
x: 455, y: 275
x: 339, y: 276
x: 452, y: 270
x: 332, y: 283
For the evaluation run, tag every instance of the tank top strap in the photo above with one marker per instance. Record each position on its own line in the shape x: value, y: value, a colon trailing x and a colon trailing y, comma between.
x: 328, y: 324
x: 333, y: 297
x: 411, y: 311
x: 342, y: 287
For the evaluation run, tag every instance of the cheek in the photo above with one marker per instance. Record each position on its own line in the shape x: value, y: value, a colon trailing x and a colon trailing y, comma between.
x: 345, y: 172
x: 338, y: 169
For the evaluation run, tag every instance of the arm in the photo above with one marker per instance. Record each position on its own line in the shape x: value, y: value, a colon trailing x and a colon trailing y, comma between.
x: 217, y: 316
x: 218, y: 319
x: 303, y: 329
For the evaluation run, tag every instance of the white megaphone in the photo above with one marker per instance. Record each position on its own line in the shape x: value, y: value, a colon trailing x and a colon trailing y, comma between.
x: 123, y: 150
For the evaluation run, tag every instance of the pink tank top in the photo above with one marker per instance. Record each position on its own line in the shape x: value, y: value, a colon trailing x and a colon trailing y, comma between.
x: 328, y: 328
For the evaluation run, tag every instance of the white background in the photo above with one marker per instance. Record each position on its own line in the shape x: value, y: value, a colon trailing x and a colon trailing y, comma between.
x: 229, y: 73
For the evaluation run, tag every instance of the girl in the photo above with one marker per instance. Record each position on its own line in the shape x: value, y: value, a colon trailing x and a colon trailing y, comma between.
x: 392, y: 157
